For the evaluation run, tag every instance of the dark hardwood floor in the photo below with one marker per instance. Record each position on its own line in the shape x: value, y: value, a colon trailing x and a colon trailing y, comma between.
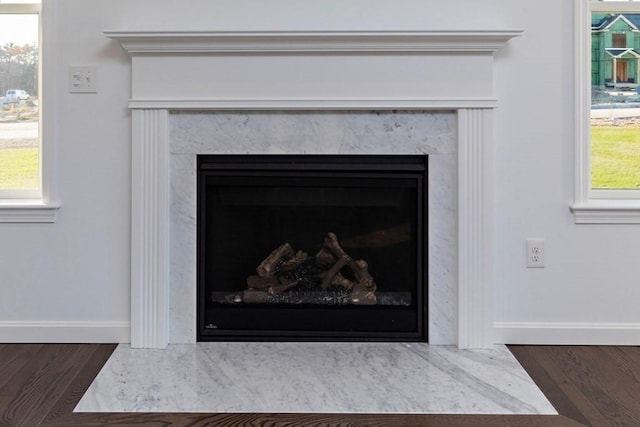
x: 599, y: 386
x: 594, y: 385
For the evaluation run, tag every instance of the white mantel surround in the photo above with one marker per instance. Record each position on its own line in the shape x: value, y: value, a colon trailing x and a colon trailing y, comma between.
x: 337, y: 71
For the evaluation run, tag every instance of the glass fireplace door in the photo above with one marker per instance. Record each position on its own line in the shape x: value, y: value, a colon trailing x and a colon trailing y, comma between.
x: 311, y: 247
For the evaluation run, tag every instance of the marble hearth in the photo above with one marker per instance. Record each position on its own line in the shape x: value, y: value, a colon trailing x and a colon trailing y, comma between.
x: 312, y: 92
x: 314, y: 378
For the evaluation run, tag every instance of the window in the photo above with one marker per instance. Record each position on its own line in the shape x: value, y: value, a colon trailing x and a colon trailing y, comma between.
x: 24, y: 189
x: 607, y: 186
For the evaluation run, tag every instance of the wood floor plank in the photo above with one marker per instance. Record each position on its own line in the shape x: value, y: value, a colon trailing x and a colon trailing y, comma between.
x: 529, y: 358
x: 20, y: 377
x: 41, y: 388
x: 585, y: 371
x: 560, y: 363
x: 633, y: 353
x: 628, y: 358
x: 68, y: 400
x: 13, y: 358
x: 301, y: 420
x: 615, y: 392
x: 15, y: 394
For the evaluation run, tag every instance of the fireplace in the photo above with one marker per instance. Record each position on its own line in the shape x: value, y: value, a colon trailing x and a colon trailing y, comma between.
x: 312, y: 247
x: 339, y: 71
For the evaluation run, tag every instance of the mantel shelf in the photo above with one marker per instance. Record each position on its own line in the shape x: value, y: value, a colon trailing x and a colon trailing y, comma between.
x: 172, y: 42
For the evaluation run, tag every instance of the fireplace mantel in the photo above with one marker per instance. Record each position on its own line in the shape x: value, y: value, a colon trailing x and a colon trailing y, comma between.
x: 141, y: 42
x: 319, y: 70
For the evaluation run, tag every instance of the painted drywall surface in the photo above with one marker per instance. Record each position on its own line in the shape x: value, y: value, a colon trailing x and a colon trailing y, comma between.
x: 591, y: 274
x: 78, y: 268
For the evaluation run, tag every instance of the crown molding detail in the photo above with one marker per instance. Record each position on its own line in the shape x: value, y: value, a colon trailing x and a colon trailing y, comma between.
x: 312, y: 104
x: 148, y: 42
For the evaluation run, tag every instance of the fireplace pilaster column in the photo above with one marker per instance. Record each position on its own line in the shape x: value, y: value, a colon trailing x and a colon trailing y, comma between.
x: 150, y: 229
x: 475, y: 228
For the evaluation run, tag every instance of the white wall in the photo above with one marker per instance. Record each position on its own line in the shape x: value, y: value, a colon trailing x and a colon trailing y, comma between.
x: 56, y: 277
x: 68, y: 280
x: 590, y: 288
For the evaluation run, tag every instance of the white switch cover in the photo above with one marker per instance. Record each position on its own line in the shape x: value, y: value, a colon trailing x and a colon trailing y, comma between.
x: 83, y: 79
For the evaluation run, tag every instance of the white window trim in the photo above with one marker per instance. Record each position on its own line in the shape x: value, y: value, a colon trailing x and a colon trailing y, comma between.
x: 594, y: 206
x: 43, y: 207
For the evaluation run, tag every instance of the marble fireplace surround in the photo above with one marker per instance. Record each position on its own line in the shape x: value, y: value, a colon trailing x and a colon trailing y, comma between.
x: 195, y: 88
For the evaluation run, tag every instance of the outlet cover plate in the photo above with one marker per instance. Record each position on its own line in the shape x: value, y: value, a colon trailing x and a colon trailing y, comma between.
x: 535, y: 253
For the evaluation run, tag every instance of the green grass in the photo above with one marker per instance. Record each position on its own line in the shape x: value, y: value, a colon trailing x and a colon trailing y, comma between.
x: 18, y: 168
x: 615, y: 157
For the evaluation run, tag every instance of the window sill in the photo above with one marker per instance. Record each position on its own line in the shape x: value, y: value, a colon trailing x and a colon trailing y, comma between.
x: 27, y: 211
x: 607, y: 212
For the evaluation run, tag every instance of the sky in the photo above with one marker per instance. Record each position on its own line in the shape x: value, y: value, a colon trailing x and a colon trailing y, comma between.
x: 19, y: 29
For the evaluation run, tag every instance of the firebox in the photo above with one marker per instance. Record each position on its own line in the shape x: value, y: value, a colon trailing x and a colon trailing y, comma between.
x: 312, y: 247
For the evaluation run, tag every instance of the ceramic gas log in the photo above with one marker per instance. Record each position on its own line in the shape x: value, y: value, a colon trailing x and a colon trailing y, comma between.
x: 329, y: 277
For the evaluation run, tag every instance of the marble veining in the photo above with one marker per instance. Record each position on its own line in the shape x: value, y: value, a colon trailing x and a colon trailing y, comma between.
x: 316, y: 132
x: 316, y: 378
x: 313, y: 132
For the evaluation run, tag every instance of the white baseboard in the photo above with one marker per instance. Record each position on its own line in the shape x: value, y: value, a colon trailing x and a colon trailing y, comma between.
x: 64, y: 332
x: 542, y: 333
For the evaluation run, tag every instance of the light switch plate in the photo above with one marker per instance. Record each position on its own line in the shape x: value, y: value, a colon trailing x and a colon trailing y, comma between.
x: 83, y: 79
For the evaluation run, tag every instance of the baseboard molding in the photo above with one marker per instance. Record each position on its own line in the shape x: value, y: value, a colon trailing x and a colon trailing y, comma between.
x: 64, y: 332
x: 542, y: 333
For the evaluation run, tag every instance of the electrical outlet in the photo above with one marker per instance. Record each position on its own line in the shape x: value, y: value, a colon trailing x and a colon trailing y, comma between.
x: 83, y: 79
x: 535, y: 253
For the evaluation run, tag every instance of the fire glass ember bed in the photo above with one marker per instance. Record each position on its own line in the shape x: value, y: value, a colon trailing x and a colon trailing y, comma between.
x: 312, y: 247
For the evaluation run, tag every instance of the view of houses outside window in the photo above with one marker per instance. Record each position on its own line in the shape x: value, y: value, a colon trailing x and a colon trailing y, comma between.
x: 615, y: 100
x: 19, y: 105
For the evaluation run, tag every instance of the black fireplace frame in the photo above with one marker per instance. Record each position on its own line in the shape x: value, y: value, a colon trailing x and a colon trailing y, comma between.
x: 414, y: 166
